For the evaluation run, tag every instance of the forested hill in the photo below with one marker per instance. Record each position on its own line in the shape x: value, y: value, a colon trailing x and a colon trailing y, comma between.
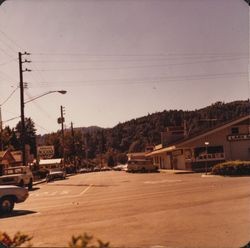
x: 136, y: 134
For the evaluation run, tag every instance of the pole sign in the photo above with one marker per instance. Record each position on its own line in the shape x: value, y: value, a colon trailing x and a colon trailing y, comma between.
x: 60, y: 120
x: 45, y: 152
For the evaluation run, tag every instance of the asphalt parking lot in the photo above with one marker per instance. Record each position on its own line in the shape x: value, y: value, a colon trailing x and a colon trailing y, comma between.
x: 137, y: 210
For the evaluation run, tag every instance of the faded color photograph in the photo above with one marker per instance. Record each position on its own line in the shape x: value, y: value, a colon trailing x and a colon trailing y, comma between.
x: 125, y: 123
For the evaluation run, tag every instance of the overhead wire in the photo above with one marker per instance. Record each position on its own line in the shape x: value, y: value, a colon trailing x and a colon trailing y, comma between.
x: 146, y: 80
x: 11, y: 119
x: 7, y: 62
x: 11, y: 94
x: 136, y: 66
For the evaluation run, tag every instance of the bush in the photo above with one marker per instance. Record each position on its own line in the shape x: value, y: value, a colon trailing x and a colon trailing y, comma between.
x: 18, y: 240
x: 80, y: 241
x: 232, y: 168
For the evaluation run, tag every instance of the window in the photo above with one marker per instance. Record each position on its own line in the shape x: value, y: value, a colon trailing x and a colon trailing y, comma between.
x: 235, y: 130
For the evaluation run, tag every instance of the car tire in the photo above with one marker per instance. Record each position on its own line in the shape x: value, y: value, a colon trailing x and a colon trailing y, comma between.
x: 21, y: 184
x: 30, y: 185
x: 6, y: 204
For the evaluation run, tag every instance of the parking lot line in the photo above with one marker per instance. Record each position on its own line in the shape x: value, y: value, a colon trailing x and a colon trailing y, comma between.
x: 84, y: 191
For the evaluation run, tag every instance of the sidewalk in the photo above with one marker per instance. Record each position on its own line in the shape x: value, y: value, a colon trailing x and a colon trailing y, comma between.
x: 176, y: 171
x: 39, y: 181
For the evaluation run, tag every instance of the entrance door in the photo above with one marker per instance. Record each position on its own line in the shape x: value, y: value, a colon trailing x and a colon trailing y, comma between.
x: 1, y: 169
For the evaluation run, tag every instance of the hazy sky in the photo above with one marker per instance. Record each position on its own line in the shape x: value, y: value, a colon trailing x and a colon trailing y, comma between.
x: 121, y: 59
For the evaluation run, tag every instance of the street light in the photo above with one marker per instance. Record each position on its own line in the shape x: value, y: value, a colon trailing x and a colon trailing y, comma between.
x: 23, y: 134
x: 206, y: 144
x: 46, y: 93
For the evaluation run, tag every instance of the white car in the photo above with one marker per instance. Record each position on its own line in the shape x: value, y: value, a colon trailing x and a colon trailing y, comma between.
x: 9, y: 195
x: 20, y: 176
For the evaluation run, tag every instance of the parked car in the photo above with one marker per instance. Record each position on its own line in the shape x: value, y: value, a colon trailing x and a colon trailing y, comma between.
x: 97, y: 168
x: 9, y: 195
x: 20, y: 176
x: 84, y: 170
x: 55, y: 174
x: 105, y: 168
x: 120, y: 167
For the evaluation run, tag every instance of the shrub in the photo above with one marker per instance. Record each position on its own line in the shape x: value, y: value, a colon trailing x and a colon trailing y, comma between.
x: 18, y: 240
x: 232, y: 168
x: 23, y: 240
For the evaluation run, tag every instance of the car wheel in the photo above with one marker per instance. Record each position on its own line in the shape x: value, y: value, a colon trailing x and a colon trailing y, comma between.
x: 30, y: 185
x: 6, y: 204
x: 21, y: 184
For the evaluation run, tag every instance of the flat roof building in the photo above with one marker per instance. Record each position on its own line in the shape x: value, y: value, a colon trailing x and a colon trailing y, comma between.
x: 230, y: 141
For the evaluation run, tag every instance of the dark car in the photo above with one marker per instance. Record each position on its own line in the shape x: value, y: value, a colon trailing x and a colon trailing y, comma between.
x: 55, y: 174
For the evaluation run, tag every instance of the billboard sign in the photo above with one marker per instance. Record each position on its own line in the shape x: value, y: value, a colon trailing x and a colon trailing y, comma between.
x: 45, y: 152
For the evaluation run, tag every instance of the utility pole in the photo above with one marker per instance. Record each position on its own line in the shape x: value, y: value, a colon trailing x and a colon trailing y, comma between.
x: 23, y: 129
x: 73, y: 144
x: 61, y: 120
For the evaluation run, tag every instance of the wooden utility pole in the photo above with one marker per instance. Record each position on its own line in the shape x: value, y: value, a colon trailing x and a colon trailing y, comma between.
x: 23, y: 129
x: 62, y: 132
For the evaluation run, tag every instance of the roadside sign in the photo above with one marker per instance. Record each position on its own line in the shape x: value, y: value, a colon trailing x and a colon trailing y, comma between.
x: 45, y: 152
x: 60, y: 120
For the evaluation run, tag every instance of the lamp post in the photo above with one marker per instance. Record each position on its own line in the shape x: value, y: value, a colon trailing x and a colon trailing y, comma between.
x: 46, y: 93
x: 206, y: 144
x: 23, y: 132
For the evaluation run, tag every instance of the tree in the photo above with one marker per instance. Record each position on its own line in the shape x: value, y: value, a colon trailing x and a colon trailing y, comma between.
x: 30, y: 137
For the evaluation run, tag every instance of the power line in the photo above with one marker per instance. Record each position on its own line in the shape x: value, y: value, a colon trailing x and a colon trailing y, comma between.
x: 9, y: 96
x: 134, y: 66
x: 152, y: 79
x: 11, y: 40
x: 14, y: 118
x: 8, y: 62
x: 138, y: 59
x: 8, y: 76
x: 141, y: 55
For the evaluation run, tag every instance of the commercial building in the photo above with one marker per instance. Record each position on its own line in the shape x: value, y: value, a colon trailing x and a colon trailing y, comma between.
x: 230, y: 141
x: 51, y: 163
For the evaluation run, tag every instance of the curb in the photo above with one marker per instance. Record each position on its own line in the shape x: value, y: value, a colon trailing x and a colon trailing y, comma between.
x: 177, y: 171
x: 39, y: 182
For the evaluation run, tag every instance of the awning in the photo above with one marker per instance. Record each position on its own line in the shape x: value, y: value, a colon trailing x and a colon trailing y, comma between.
x: 157, y: 152
x: 50, y: 161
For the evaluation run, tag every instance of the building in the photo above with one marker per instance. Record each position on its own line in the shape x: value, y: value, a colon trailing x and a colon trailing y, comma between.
x: 51, y: 163
x: 230, y: 141
x: 6, y: 160
x: 140, y: 155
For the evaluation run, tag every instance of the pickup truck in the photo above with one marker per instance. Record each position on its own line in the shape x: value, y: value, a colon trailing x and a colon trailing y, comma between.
x: 20, y: 176
x: 9, y: 195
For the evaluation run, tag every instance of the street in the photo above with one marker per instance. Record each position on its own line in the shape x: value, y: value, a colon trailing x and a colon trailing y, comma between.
x: 137, y: 210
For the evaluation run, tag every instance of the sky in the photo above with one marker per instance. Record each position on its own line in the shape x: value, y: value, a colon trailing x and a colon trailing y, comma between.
x: 121, y: 59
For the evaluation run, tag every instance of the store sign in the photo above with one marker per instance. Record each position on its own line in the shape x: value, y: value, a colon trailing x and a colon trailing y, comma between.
x: 45, y: 151
x: 177, y: 152
x: 238, y: 137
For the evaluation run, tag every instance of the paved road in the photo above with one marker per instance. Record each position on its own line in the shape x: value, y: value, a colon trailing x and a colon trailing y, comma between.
x: 137, y: 210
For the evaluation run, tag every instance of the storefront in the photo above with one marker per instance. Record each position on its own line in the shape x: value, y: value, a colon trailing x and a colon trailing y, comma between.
x: 230, y: 141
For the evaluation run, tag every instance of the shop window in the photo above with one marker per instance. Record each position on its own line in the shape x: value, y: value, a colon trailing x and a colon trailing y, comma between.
x: 234, y: 130
x: 210, y: 149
